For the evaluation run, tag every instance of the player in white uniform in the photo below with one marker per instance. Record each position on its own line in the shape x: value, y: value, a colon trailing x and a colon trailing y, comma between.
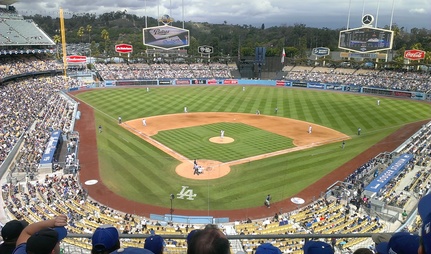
x: 144, y: 122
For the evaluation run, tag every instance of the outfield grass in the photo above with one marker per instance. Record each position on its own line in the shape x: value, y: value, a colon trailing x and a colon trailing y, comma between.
x: 138, y: 171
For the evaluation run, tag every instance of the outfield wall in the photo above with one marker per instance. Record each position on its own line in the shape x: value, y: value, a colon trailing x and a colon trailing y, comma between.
x: 287, y: 83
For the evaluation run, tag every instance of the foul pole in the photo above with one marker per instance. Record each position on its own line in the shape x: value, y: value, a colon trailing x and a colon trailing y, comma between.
x: 63, y: 41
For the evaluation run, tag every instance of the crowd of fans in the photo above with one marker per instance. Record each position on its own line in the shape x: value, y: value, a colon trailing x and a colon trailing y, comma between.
x: 32, y: 109
x: 399, y: 80
x: 19, y: 64
x: 163, y: 71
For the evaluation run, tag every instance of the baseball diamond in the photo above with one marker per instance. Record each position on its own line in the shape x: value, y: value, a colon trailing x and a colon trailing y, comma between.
x: 139, y: 166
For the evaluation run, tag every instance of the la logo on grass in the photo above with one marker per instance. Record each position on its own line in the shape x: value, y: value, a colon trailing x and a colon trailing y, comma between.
x: 185, y: 192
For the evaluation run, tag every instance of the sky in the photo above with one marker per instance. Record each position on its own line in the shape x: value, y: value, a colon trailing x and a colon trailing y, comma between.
x: 313, y: 13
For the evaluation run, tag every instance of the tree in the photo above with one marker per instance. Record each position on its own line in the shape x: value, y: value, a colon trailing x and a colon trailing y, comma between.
x: 88, y: 28
x: 105, y: 37
x: 80, y: 33
x: 57, y: 41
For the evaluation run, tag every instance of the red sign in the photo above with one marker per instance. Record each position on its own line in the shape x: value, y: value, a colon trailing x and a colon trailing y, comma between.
x: 414, y: 54
x: 76, y: 59
x: 211, y: 81
x: 123, y: 48
x: 230, y: 81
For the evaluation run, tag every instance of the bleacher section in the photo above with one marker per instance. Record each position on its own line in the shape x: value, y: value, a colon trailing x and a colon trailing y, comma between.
x: 20, y: 32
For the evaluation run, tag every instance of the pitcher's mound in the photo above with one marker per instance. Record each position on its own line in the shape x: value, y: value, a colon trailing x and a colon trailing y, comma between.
x: 224, y: 140
x: 210, y: 170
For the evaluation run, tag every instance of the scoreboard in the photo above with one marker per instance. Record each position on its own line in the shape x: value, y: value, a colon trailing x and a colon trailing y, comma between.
x: 366, y: 39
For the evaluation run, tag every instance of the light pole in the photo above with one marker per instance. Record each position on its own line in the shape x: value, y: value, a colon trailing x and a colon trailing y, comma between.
x: 172, y: 196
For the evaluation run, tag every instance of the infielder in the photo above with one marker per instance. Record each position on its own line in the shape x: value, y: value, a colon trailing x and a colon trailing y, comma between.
x: 144, y: 122
x: 222, y: 134
x: 310, y: 129
x: 185, y: 109
x: 119, y: 120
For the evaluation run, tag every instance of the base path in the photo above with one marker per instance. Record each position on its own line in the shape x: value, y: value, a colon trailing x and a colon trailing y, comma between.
x: 296, y: 130
x: 100, y: 193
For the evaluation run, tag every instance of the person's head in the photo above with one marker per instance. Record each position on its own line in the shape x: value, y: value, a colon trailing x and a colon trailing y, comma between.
x: 267, y: 248
x: 400, y: 243
x: 209, y: 240
x: 105, y: 239
x: 317, y: 247
x: 132, y: 250
x: 154, y: 243
x: 46, y: 241
x: 12, y: 229
x: 424, y: 209
x: 363, y: 251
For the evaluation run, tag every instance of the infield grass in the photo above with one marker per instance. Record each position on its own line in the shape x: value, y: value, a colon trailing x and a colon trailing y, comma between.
x: 249, y: 141
x: 138, y: 171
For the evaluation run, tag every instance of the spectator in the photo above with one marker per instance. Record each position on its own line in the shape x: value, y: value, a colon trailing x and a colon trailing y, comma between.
x: 400, y: 243
x: 363, y: 251
x: 155, y: 243
x: 42, y: 237
x: 105, y: 239
x: 132, y: 250
x: 317, y: 247
x: 208, y: 241
x: 267, y: 248
x: 10, y: 233
x: 424, y: 209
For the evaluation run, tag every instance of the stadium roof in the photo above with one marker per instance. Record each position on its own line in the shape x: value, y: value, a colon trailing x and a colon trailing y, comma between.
x: 7, y: 2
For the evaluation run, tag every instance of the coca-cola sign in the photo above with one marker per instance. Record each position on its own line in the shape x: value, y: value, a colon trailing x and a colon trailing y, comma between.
x: 76, y: 59
x: 123, y: 48
x: 414, y: 54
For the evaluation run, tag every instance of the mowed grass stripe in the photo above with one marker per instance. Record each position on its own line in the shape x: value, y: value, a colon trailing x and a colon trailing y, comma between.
x: 281, y: 176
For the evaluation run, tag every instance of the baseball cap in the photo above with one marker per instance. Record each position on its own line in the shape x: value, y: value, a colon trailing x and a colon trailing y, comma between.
x: 12, y: 229
x: 267, y: 248
x: 381, y: 237
x: 132, y: 250
x: 317, y: 247
x: 424, y: 209
x: 400, y: 243
x: 105, y: 237
x: 154, y: 243
x: 44, y: 241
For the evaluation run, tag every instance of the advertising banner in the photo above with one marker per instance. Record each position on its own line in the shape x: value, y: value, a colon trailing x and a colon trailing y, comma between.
x: 182, y: 82
x: 199, y: 81
x: 51, y: 147
x: 389, y: 173
x: 230, y: 81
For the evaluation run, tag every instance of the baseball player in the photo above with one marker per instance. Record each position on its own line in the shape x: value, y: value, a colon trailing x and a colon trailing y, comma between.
x: 185, y: 109
x: 378, y: 102
x: 222, y: 134
x: 310, y: 129
x: 119, y: 120
x: 144, y: 122
x: 148, y: 89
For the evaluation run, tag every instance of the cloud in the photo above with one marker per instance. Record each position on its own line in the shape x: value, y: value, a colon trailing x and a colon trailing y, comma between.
x: 418, y: 10
x: 313, y: 13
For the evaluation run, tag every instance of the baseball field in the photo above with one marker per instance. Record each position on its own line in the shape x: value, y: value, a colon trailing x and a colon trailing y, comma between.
x: 259, y: 154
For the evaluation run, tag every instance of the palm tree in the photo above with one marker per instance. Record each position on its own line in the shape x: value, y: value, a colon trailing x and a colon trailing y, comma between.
x: 88, y: 28
x: 80, y: 32
x: 105, y: 37
x: 57, y: 40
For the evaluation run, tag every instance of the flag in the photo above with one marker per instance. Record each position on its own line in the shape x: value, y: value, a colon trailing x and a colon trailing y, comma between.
x: 282, y: 56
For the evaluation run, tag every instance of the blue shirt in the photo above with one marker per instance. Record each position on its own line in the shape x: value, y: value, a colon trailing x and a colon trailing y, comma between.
x: 20, y: 249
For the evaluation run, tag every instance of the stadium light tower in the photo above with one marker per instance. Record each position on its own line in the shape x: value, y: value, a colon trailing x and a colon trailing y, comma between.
x: 172, y: 197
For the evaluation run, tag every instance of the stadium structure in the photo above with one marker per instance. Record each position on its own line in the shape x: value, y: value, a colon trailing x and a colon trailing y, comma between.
x: 48, y: 128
